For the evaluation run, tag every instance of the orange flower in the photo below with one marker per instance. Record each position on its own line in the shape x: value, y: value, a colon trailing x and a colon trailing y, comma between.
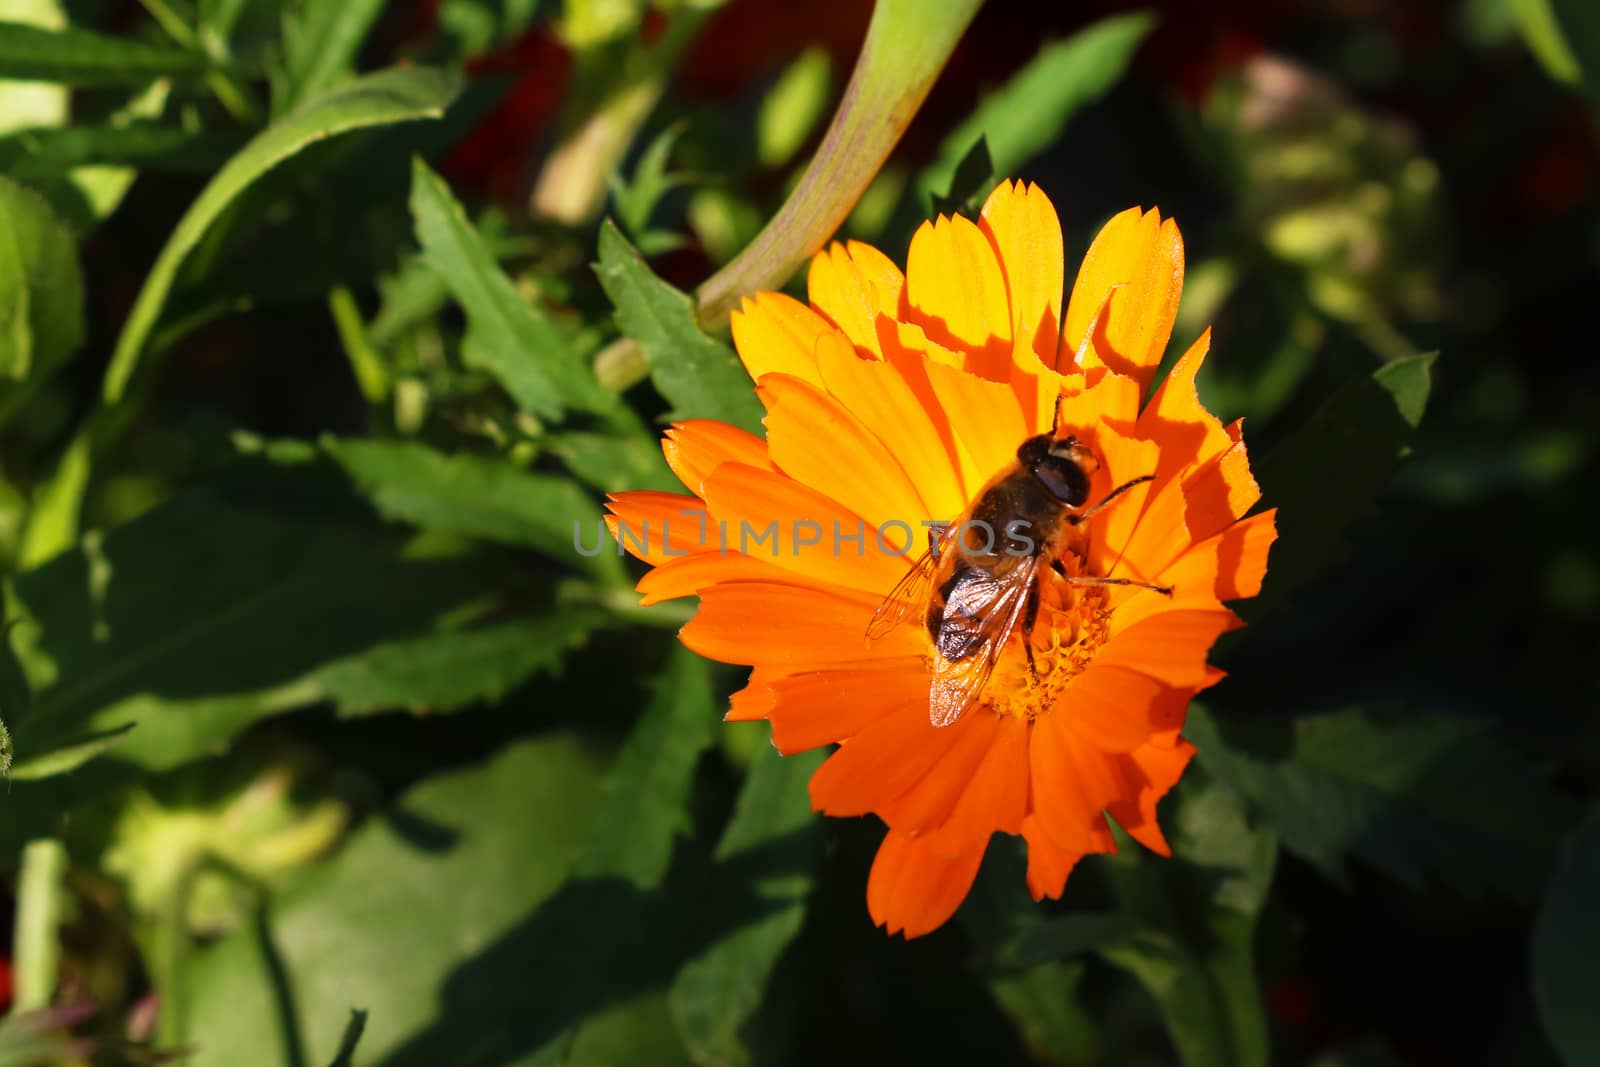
x: 891, y: 401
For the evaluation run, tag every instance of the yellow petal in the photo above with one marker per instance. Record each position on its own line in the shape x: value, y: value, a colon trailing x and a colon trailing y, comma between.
x: 1138, y: 261
x: 852, y: 285
x: 776, y: 334
x: 957, y: 294
x: 1022, y: 225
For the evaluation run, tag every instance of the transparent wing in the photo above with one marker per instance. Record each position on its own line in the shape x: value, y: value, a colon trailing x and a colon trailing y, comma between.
x: 979, y: 618
x: 908, y: 599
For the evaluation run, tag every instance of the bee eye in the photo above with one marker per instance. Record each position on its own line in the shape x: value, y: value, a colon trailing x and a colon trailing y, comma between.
x: 1065, y: 480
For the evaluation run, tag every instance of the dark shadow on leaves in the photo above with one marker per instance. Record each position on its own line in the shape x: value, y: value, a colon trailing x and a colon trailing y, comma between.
x: 596, y: 942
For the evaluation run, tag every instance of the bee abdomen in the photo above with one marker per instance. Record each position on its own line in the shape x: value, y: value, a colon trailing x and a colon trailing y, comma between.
x: 957, y: 628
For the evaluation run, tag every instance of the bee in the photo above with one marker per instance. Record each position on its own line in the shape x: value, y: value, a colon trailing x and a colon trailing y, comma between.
x: 978, y: 582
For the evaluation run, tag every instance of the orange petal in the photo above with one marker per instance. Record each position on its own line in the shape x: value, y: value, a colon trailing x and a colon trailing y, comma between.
x: 1111, y: 708
x: 772, y: 516
x: 1157, y: 769
x: 1144, y: 256
x: 696, y: 447
x: 986, y: 419
x: 881, y: 762
x: 818, y: 441
x: 913, y: 889
x: 1048, y: 863
x: 656, y: 527
x: 775, y: 333
x: 852, y: 285
x: 791, y: 625
x: 824, y: 707
x: 929, y: 802
x: 688, y: 575
x: 1228, y: 565
x: 879, y: 394
x: 1158, y: 536
x: 1022, y: 225
x: 1177, y: 420
x: 1219, y: 491
x: 1065, y: 809
x: 1171, y: 645
x: 957, y: 294
x: 996, y: 799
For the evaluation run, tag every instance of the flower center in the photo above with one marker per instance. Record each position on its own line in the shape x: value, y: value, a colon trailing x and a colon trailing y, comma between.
x: 1073, y: 623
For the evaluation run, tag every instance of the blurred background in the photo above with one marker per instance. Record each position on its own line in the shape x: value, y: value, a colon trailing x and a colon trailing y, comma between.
x: 397, y: 750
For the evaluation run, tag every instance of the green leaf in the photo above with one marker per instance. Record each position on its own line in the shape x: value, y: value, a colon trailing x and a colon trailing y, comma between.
x: 41, y: 289
x: 1416, y: 795
x: 772, y: 844
x: 214, y: 609
x: 971, y: 183
x: 455, y: 867
x: 80, y: 58
x: 26, y: 104
x: 380, y: 99
x: 51, y: 153
x: 1197, y: 955
x: 480, y: 497
x: 790, y: 112
x: 637, y: 199
x: 449, y: 670
x: 1566, y: 950
x: 646, y: 802
x: 1326, y: 475
x: 506, y: 335
x: 700, y: 377
x: 1027, y: 113
x: 1044, y: 1004
x: 320, y: 41
x: 1565, y: 36
x: 613, y: 464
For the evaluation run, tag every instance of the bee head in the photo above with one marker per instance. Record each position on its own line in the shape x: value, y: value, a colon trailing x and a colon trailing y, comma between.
x: 1063, y: 467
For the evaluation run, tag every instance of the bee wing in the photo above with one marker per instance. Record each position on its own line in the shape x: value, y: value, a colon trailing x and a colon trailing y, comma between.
x: 908, y: 599
x: 987, y: 613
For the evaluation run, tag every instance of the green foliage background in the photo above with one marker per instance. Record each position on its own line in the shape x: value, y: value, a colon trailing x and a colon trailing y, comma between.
x: 322, y: 322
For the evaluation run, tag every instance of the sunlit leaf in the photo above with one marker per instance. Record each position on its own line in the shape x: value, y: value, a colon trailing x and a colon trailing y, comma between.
x: 700, y: 377
x: 404, y: 918
x: 507, y: 336
x: 478, y: 496
x: 41, y: 289
x: 380, y: 99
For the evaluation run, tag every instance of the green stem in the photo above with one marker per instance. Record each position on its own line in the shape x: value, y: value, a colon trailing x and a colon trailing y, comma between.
x: 40, y: 899
x: 368, y: 368
x: 908, y: 43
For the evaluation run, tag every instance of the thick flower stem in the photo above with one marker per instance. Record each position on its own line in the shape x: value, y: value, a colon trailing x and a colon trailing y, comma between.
x: 908, y: 43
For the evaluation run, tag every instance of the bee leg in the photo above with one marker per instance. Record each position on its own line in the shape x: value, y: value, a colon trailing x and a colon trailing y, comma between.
x: 1030, y: 615
x: 1164, y: 590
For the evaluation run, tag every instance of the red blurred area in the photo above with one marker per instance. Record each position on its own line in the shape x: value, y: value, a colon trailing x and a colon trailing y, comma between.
x: 5, y: 983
